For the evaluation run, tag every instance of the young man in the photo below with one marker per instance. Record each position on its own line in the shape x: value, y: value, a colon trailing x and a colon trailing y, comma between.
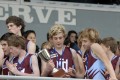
x: 6, y: 56
x: 95, y: 56
x: 109, y: 45
x: 16, y: 25
x: 24, y: 64
x: 64, y: 57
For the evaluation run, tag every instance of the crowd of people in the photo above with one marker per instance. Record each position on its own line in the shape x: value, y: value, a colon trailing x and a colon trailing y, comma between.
x: 83, y: 55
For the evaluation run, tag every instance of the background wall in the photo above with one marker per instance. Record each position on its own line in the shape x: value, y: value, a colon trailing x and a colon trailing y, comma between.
x: 106, y: 22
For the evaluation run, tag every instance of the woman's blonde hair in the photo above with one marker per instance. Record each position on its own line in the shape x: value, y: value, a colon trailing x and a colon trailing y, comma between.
x: 56, y: 29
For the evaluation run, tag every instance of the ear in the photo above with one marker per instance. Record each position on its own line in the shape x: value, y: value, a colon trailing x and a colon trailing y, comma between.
x: 20, y: 27
x: 108, y: 47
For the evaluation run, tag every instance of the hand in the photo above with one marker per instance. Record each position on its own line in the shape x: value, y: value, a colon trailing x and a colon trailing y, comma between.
x: 71, y: 71
x: 51, y: 64
x: 48, y: 68
x: 112, y: 79
x: 12, y: 67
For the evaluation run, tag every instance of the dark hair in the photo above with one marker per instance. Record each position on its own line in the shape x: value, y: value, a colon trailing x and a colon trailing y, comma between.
x: 6, y: 36
x: 67, y: 39
x: 70, y: 32
x: 17, y: 21
x: 26, y: 33
x: 48, y: 37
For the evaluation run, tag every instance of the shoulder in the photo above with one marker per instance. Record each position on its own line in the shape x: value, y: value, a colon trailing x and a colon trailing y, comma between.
x: 74, y: 53
x: 95, y: 46
x: 72, y: 50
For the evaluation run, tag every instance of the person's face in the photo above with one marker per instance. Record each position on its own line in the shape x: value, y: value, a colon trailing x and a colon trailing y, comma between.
x: 32, y: 37
x: 73, y: 37
x: 58, y: 40
x: 5, y: 47
x: 86, y: 43
x: 14, y: 51
x: 13, y: 28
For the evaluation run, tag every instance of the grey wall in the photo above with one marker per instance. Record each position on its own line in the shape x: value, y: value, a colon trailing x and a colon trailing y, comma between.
x: 106, y: 22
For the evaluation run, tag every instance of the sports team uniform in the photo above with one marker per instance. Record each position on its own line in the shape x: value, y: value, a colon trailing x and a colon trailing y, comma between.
x: 63, y: 61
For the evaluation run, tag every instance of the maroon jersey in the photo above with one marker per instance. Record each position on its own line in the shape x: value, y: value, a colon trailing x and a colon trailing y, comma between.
x: 63, y: 61
x: 5, y: 70
x: 114, y: 61
x: 25, y: 65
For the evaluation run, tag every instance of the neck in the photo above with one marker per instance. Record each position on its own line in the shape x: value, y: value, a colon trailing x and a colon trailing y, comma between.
x: 19, y: 34
x: 22, y: 53
x: 60, y: 50
x: 110, y: 55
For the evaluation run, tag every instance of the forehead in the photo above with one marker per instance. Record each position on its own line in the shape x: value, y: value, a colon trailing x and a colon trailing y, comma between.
x: 58, y: 35
x: 85, y: 39
x: 10, y: 23
x: 3, y: 42
x: 31, y: 34
x: 12, y: 47
x: 73, y: 34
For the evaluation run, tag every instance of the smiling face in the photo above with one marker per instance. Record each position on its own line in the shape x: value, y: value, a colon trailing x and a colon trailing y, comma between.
x: 31, y: 37
x: 73, y: 37
x: 86, y: 43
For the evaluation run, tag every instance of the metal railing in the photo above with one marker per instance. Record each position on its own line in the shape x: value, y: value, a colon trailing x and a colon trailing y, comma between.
x: 5, y: 77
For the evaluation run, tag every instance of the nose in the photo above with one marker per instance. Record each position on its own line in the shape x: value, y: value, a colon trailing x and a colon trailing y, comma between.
x: 9, y: 28
x: 3, y: 48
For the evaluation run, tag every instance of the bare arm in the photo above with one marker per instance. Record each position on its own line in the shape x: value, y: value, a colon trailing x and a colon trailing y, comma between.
x: 1, y: 55
x: 31, y: 47
x: 117, y: 69
x: 79, y: 67
x: 47, y: 68
x: 35, y: 68
x: 99, y: 52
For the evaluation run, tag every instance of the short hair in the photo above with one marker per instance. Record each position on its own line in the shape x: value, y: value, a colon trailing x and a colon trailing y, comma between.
x: 17, y: 21
x: 56, y: 29
x: 26, y: 33
x: 6, y: 36
x: 17, y: 41
x: 110, y: 42
x: 90, y: 33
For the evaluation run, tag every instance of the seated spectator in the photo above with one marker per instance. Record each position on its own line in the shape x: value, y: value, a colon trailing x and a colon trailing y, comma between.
x: 71, y: 40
